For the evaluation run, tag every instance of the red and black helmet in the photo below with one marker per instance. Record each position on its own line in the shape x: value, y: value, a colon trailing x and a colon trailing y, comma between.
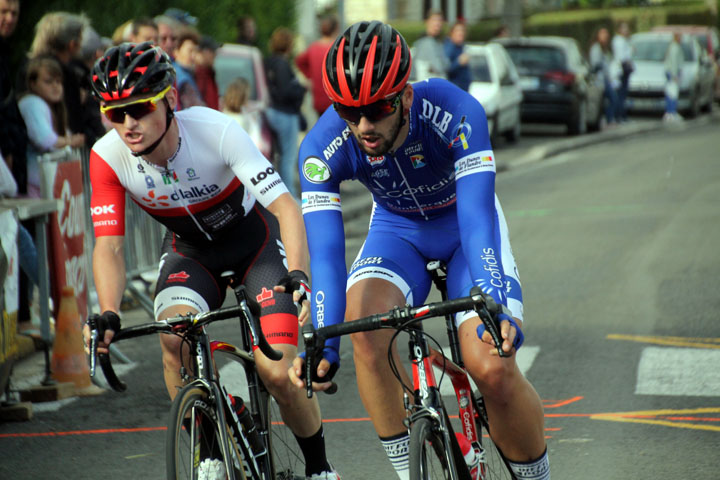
x: 131, y: 69
x: 370, y: 61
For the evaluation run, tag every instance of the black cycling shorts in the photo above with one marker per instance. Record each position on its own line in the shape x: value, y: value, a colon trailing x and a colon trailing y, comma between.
x: 189, y: 273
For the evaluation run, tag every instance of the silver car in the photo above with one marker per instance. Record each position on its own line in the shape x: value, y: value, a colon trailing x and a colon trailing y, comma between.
x: 647, y: 82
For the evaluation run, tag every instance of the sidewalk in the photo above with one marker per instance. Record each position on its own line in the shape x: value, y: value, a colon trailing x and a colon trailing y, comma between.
x: 29, y: 369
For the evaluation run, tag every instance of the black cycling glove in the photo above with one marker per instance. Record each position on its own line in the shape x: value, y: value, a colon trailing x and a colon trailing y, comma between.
x: 107, y: 321
x: 296, y: 281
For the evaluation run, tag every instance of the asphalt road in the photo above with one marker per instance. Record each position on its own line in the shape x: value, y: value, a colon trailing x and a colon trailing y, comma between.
x: 617, y: 249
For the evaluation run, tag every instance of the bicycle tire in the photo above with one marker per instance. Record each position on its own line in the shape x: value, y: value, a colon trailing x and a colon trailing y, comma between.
x: 287, y: 461
x: 495, y: 466
x: 183, y: 453
x: 429, y: 460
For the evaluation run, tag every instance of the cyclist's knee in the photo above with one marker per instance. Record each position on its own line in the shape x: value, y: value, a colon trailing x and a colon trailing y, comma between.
x: 370, y: 348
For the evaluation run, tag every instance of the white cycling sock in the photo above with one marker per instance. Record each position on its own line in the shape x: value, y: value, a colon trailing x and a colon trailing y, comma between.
x: 536, y: 469
x: 397, y: 449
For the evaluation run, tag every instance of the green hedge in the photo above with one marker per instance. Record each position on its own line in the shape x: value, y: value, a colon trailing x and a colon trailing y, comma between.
x: 582, y: 24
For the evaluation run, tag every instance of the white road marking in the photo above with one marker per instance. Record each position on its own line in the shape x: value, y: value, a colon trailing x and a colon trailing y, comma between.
x: 679, y: 372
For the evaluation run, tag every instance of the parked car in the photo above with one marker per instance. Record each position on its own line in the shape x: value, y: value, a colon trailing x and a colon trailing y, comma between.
x: 557, y: 82
x: 708, y: 37
x: 647, y: 82
x: 496, y: 85
x: 233, y: 61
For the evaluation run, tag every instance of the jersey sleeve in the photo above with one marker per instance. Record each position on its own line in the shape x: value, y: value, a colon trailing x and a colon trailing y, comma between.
x: 107, y: 202
x: 321, y: 171
x: 249, y: 165
x: 479, y: 217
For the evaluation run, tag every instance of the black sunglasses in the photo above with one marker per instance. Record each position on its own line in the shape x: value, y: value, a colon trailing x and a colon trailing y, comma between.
x: 374, y: 112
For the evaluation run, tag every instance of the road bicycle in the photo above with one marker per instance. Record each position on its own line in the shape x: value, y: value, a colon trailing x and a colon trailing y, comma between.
x: 434, y: 449
x: 207, y: 425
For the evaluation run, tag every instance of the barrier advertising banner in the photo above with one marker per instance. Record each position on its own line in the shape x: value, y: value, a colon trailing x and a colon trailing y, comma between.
x: 66, y: 230
x: 8, y: 293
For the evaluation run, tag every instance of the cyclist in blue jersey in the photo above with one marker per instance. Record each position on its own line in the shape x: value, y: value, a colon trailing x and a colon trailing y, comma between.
x: 424, y: 152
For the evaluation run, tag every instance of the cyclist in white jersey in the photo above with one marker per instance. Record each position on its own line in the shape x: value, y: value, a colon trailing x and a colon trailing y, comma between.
x: 225, y: 208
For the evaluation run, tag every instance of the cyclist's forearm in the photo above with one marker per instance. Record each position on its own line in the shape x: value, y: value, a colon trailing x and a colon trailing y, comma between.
x: 292, y: 232
x: 109, y: 274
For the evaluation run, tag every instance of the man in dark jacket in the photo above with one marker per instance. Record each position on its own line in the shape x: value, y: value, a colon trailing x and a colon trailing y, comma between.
x: 13, y: 136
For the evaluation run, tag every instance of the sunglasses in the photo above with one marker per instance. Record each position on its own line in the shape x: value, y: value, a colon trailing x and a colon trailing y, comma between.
x: 137, y: 109
x: 374, y: 112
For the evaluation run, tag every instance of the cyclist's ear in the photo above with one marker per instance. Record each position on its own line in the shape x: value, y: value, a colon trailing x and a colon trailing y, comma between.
x: 407, y: 98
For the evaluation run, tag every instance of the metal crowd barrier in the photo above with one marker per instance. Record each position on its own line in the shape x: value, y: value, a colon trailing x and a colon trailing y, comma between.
x: 143, y: 241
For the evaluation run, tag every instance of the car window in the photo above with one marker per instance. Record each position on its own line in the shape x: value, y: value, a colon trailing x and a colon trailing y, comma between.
x: 654, y: 49
x: 479, y: 68
x: 528, y: 59
x: 230, y: 67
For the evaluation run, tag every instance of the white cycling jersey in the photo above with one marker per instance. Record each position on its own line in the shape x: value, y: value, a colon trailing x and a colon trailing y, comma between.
x: 209, y: 185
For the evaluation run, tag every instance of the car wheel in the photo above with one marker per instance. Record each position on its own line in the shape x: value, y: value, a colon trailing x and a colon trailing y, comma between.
x: 578, y: 122
x: 513, y: 135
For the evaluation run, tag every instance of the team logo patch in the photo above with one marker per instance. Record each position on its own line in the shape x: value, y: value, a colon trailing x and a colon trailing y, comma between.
x: 376, y: 161
x: 461, y: 134
x: 154, y: 202
x: 178, y: 277
x: 191, y: 174
x: 265, y: 298
x: 149, y: 182
x: 418, y: 161
x: 315, y: 170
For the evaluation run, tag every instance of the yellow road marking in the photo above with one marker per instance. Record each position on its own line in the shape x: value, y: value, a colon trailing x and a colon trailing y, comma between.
x: 669, y: 341
x: 637, y: 417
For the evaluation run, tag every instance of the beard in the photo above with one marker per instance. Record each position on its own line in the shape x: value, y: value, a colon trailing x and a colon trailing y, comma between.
x: 386, y: 141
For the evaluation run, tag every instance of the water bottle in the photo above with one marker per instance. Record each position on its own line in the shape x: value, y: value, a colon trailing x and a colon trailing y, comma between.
x: 248, y: 425
x: 472, y: 459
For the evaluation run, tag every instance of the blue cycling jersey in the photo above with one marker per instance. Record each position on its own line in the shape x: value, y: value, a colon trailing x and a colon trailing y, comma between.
x: 440, y: 181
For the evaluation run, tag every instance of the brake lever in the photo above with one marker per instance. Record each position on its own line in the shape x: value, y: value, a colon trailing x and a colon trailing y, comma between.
x: 487, y: 310
x: 92, y: 323
x: 310, y: 340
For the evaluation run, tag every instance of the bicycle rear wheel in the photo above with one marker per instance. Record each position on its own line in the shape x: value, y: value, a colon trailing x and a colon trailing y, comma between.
x: 429, y: 459
x: 493, y: 464
x: 193, y: 443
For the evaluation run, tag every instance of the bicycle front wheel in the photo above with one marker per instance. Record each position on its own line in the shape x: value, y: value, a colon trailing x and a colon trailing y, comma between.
x: 193, y: 446
x: 288, y: 462
x: 493, y: 464
x: 429, y: 459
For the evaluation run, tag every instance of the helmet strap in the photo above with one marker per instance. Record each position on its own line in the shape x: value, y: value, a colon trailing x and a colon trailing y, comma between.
x: 168, y: 120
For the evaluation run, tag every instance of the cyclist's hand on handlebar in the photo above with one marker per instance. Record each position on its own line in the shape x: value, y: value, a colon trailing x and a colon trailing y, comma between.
x: 107, y: 324
x: 510, y: 330
x: 296, y: 282
x: 297, y: 371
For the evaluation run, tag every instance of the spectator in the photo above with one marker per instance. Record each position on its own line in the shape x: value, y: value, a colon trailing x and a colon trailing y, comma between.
x: 167, y: 33
x: 622, y: 51
x: 91, y: 48
x: 459, y: 71
x: 122, y: 33
x: 27, y: 253
x: 247, y: 31
x: 43, y: 110
x: 205, y: 72
x: 674, y: 59
x: 429, y: 59
x: 235, y: 103
x: 503, y: 31
x: 13, y: 137
x: 185, y: 54
x: 144, y: 29
x: 310, y: 62
x: 600, y: 62
x: 59, y: 35
x: 286, y: 96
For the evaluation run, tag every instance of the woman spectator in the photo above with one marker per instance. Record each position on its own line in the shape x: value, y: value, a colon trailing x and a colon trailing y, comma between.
x: 286, y: 96
x: 674, y: 59
x: 310, y: 62
x: 600, y: 62
x: 459, y: 71
x: 45, y: 116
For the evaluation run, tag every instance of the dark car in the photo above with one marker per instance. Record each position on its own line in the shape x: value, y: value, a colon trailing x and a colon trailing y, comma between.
x: 558, y: 85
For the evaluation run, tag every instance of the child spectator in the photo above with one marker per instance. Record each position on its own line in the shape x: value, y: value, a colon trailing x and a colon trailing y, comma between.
x: 43, y: 110
x: 235, y: 103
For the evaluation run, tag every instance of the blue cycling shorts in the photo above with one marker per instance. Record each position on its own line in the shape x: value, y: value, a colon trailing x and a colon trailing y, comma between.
x: 397, y: 249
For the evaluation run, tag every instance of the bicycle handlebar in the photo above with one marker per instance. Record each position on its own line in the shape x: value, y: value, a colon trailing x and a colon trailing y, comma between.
x: 483, y: 304
x: 248, y: 309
